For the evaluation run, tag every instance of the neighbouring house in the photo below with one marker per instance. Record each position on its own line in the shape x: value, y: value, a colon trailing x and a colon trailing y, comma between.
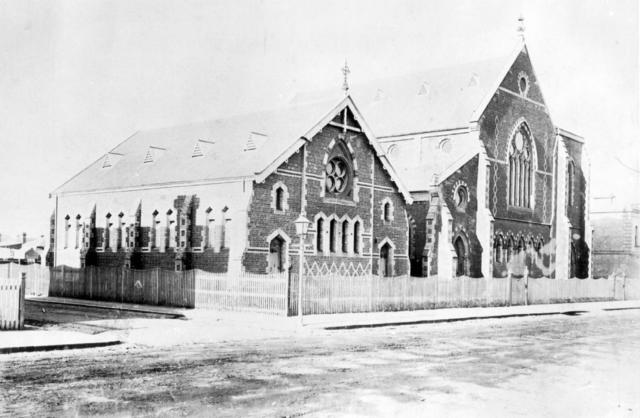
x: 616, y: 238
x: 22, y: 250
x: 222, y: 196
x: 497, y: 186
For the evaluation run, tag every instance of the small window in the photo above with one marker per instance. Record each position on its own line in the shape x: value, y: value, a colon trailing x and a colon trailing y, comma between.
x: 279, y: 199
x: 332, y: 235
x: 279, y: 196
x: 356, y: 237
x: 523, y: 83
x: 345, y: 237
x: 387, y: 210
x: 319, y: 235
x: 461, y: 197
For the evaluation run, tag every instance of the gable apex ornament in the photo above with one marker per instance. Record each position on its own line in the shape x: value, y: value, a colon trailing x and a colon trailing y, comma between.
x: 345, y: 73
x: 521, y: 28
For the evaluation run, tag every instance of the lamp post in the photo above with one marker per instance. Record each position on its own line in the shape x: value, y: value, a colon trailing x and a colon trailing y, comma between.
x: 302, y: 226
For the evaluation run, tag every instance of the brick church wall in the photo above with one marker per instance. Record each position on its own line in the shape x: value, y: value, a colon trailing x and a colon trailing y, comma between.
x: 263, y: 220
x: 506, y: 108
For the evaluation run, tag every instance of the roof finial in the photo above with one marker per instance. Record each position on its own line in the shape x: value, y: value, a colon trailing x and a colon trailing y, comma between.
x: 521, y: 27
x: 345, y: 73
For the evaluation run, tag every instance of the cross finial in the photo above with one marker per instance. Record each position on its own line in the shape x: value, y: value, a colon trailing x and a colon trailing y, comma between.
x: 345, y: 73
x: 521, y: 27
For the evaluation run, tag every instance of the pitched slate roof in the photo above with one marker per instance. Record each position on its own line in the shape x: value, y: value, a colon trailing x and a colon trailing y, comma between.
x: 437, y: 164
x: 243, y: 146
x: 171, y: 150
x: 428, y: 100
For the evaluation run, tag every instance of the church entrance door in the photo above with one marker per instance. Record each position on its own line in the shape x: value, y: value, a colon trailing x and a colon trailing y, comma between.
x: 385, y: 261
x: 461, y: 253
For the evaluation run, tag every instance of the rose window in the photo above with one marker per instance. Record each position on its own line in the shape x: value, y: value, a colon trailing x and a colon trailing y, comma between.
x: 337, y: 175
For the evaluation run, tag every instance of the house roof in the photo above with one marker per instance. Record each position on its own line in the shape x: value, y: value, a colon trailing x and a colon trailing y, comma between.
x: 429, y: 100
x: 244, y: 146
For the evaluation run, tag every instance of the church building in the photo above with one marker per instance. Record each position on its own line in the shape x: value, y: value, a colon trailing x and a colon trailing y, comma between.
x: 223, y: 195
x: 457, y: 171
x: 498, y: 188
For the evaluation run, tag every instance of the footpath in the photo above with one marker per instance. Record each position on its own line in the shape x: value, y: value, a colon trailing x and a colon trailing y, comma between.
x: 108, y: 323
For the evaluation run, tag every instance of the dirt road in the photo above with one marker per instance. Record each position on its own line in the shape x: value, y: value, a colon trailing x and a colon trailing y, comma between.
x: 576, y: 366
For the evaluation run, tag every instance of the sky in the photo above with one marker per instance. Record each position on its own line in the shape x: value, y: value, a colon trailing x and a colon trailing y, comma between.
x: 79, y: 77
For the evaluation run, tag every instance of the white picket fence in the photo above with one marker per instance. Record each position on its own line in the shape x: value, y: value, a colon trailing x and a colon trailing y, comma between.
x: 11, y: 303
x: 37, y: 277
x: 368, y: 293
x: 242, y: 292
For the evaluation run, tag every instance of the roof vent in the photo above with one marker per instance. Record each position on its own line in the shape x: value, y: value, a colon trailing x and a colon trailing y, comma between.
x: 202, y: 148
x: 425, y: 88
x: 380, y: 95
x: 475, y: 80
x: 152, y: 154
x: 254, y: 141
x: 110, y: 159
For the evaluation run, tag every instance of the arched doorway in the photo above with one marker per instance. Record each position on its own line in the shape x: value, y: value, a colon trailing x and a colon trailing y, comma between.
x: 276, y: 255
x: 461, y: 253
x: 386, y: 260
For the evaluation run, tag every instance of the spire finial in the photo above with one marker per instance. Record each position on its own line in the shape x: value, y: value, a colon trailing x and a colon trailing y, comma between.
x: 345, y: 73
x: 521, y: 27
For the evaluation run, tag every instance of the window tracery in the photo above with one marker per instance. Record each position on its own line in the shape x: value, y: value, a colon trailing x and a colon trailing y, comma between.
x: 520, y: 168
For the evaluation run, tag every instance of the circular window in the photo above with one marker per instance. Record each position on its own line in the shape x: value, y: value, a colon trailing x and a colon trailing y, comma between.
x: 523, y: 83
x: 337, y: 175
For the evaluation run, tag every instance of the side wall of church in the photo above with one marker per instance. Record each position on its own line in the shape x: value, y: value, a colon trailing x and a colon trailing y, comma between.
x: 142, y: 229
x: 576, y: 210
x: 372, y: 187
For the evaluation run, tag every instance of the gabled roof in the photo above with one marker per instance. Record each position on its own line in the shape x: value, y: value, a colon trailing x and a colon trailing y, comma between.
x: 428, y: 100
x: 245, y: 146
x: 438, y: 164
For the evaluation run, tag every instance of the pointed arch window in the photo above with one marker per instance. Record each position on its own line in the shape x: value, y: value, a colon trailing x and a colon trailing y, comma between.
x: 356, y: 237
x: 520, y: 167
x: 320, y: 235
x: 571, y: 172
x: 333, y: 226
x: 345, y: 237
x: 339, y: 172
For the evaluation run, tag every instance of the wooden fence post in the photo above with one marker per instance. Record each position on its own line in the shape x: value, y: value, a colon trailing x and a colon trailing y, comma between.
x: 526, y: 286
x: 23, y: 285
x: 509, y: 288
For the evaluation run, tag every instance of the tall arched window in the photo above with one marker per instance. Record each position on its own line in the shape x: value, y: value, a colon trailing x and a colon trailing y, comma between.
x: 333, y: 226
x: 345, y: 237
x: 520, y: 167
x: 319, y: 235
x: 571, y: 172
x: 279, y: 198
x: 356, y: 237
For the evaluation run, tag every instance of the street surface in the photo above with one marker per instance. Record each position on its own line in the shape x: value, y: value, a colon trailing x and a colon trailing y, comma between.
x: 575, y: 366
